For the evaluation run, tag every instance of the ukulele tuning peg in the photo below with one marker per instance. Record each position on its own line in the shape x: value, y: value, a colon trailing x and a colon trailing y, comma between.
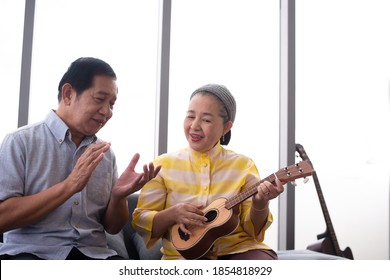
x: 305, y: 180
x: 293, y: 183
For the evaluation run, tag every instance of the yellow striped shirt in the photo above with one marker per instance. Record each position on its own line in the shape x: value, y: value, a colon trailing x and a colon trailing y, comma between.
x: 201, y: 178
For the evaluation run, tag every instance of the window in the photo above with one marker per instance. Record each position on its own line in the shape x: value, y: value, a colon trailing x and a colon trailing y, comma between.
x: 11, y: 32
x: 342, y: 103
x: 235, y: 43
x: 124, y: 34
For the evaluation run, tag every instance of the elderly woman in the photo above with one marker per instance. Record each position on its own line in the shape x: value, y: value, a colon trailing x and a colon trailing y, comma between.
x: 198, y: 175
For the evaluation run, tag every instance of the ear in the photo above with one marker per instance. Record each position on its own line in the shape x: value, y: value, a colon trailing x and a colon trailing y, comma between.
x: 67, y: 93
x: 227, y: 127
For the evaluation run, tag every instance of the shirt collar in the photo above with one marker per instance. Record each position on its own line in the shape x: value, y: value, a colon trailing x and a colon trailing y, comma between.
x: 214, y: 152
x: 60, y: 130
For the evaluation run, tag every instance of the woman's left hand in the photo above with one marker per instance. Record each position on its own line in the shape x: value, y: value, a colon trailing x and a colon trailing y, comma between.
x: 267, y: 191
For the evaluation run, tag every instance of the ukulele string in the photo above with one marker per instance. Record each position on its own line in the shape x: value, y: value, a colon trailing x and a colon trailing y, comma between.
x: 238, y: 198
x: 218, y: 208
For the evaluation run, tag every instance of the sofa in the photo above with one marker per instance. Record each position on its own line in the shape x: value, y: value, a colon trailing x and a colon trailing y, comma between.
x: 130, y: 245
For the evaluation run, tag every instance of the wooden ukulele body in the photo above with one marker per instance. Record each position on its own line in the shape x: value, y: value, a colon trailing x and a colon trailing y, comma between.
x: 221, y: 218
x: 221, y: 222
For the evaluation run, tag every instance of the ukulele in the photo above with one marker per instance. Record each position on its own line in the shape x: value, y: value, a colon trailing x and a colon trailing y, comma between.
x: 222, y: 220
x: 327, y: 242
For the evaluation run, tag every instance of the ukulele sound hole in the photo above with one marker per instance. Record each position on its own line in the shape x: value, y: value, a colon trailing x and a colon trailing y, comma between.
x: 211, y: 215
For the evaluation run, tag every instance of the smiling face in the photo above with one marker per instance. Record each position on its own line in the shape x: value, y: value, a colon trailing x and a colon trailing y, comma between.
x: 203, y: 124
x: 87, y: 113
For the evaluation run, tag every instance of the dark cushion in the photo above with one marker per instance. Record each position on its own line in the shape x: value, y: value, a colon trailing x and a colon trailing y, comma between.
x: 129, y: 244
x: 135, y: 245
x: 147, y: 254
x: 117, y: 243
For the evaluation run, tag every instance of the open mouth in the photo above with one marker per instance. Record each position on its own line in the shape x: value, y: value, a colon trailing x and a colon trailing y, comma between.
x: 195, y: 137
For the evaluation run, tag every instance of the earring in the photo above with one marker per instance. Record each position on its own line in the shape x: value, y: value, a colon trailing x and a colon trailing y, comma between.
x: 223, y: 138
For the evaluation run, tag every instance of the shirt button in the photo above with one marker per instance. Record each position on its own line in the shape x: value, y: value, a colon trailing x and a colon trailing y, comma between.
x: 76, y: 203
x: 205, y: 187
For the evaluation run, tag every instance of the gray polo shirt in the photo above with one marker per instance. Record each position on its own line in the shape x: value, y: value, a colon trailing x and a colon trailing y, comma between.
x: 38, y: 156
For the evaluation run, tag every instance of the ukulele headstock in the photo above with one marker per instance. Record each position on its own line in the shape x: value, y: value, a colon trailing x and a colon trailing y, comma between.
x: 298, y: 170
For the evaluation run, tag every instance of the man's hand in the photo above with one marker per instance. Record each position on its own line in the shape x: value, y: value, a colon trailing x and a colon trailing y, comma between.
x: 131, y: 181
x: 86, y: 164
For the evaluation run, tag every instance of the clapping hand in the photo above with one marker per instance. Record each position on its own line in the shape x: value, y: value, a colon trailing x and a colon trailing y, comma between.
x: 130, y: 181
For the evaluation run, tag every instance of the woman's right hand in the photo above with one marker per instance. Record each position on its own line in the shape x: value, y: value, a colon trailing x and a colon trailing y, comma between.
x: 188, y: 215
